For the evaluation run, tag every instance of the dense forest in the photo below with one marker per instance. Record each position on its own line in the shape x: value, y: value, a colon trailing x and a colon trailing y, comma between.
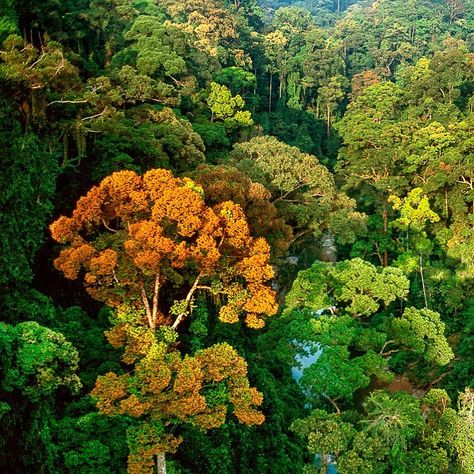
x: 237, y: 236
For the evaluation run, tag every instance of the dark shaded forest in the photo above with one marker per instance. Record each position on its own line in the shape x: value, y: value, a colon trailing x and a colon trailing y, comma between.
x: 237, y: 236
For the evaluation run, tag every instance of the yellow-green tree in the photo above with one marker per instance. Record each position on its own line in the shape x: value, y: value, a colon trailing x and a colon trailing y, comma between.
x: 228, y: 108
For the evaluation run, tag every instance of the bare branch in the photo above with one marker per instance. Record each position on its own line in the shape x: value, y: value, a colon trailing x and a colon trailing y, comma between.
x: 468, y: 181
x: 190, y: 294
x: 67, y: 102
x: 178, y: 83
x: 37, y: 61
x: 155, y: 297
x: 334, y: 404
x: 284, y: 196
x: 107, y: 227
x: 146, y: 303
x: 95, y: 116
x: 385, y: 345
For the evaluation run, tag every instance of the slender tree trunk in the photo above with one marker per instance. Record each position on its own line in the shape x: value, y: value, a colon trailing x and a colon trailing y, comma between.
x: 328, y: 118
x: 254, y: 91
x: 270, y: 89
x: 154, y: 309
x: 108, y: 54
x: 160, y: 461
x: 188, y: 300
x: 146, y: 305
x: 385, y: 231
x: 423, y: 281
x: 446, y: 202
x: 379, y: 255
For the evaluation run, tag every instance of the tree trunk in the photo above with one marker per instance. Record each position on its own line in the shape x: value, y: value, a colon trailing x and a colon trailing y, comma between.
x: 423, y: 281
x: 328, y: 118
x: 270, y: 89
x: 254, y: 91
x: 385, y: 230
x: 160, y: 463
x: 446, y: 202
x: 328, y: 250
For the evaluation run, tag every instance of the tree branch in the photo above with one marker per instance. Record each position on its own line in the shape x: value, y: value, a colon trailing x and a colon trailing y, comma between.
x: 67, y: 102
x: 469, y: 182
x: 42, y: 56
x: 334, y: 404
x: 155, y: 298
x: 393, y: 351
x: 107, y: 227
x: 190, y: 294
x: 385, y: 345
x: 146, y: 303
x: 438, y: 379
x: 284, y: 196
x: 300, y: 234
x: 95, y: 116
x: 178, y: 83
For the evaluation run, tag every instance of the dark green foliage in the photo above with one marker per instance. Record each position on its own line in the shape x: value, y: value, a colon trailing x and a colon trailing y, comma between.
x: 37, y: 361
x: 357, y: 118
x: 28, y: 181
x: 394, y: 433
x: 90, y: 443
x: 146, y: 138
x: 9, y: 19
x: 462, y: 374
x: 270, y: 445
x: 36, y: 364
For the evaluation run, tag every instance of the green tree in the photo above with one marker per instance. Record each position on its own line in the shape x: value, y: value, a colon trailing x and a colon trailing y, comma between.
x: 395, y: 432
x: 302, y: 189
x: 423, y: 332
x: 345, y: 311
x: 36, y: 365
x: 228, y: 108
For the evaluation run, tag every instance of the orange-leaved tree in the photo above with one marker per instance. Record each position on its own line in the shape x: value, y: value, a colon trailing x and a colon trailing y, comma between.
x: 135, y: 241
x: 226, y: 183
x: 166, y: 388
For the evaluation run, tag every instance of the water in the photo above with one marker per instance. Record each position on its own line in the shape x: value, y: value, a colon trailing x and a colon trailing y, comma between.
x: 308, y: 353
x: 311, y: 353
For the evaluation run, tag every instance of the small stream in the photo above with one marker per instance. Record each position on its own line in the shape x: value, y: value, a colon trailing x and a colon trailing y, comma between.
x: 310, y: 353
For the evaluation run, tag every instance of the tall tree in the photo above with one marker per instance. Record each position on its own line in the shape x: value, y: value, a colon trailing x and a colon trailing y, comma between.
x: 137, y: 238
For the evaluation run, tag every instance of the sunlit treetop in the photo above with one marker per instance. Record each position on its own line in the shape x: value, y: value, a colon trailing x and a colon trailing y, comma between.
x: 302, y: 189
x: 354, y: 286
x: 131, y: 236
x: 211, y: 26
